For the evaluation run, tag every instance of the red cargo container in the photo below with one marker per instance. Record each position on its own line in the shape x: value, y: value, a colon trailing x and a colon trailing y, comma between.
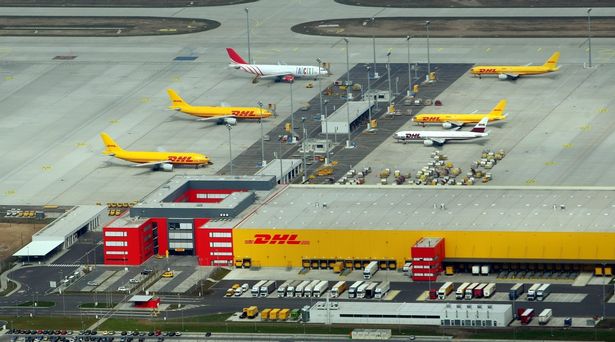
x: 526, y: 316
x: 520, y: 312
x: 433, y: 294
x: 478, y: 291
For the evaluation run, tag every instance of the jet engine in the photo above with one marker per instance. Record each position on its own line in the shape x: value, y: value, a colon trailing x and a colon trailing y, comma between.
x: 230, y: 121
x: 288, y: 78
x: 447, y: 125
x: 166, y: 167
x: 428, y: 142
x: 503, y: 77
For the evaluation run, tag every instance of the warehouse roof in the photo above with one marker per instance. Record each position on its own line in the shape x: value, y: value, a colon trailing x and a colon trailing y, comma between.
x: 437, y: 208
x: 401, y: 309
x: 38, y: 248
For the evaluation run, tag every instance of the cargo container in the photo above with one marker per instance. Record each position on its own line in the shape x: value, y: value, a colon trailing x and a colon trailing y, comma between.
x: 267, y: 288
x: 478, y: 291
x: 338, y: 267
x: 273, y: 314
x: 543, y: 292
x: 352, y: 290
x: 445, y: 290
x: 251, y: 311
x: 475, y: 270
x: 516, y: 291
x: 256, y: 289
x: 294, y: 314
x: 531, y: 292
x: 307, y: 292
x: 568, y: 321
x: 545, y: 316
x: 290, y: 290
x: 433, y: 294
x: 382, y: 289
x: 370, y: 270
x: 520, y: 311
x: 484, y: 270
x: 361, y: 290
x: 449, y: 271
x: 282, y: 288
x: 300, y: 288
x: 407, y: 268
x: 338, y: 288
x: 526, y: 316
x: 283, y: 314
x: 320, y: 288
x: 265, y: 314
x: 470, y: 291
x: 489, y: 290
x: 461, y: 291
x: 370, y: 290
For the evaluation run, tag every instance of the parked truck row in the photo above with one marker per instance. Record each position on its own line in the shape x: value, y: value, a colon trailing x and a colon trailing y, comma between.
x: 525, y: 315
x: 464, y: 291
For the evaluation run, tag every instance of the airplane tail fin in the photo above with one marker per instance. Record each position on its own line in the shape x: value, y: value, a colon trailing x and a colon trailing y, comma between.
x: 111, y: 146
x: 551, y: 63
x: 176, y: 101
x: 480, y: 126
x: 498, y: 110
x: 234, y: 56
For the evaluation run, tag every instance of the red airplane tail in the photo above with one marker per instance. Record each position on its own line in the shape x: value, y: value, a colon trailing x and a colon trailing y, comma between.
x: 234, y: 56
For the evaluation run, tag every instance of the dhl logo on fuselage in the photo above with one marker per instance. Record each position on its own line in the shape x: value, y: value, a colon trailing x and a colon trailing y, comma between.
x: 413, y: 136
x: 429, y: 118
x: 181, y: 159
x: 243, y: 113
x: 484, y: 70
x: 276, y: 239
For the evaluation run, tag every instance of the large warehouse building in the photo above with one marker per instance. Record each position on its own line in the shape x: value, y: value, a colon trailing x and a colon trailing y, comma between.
x: 251, y: 221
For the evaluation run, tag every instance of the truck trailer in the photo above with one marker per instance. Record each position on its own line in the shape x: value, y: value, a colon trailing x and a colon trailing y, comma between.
x: 320, y: 288
x: 282, y: 288
x: 307, y: 292
x: 338, y: 288
x: 370, y: 270
x: 290, y: 290
x: 300, y: 288
x: 543, y: 292
x: 531, y: 292
x: 361, y: 290
x: 489, y: 290
x: 382, y: 289
x: 470, y: 291
x: 256, y: 288
x: 445, y: 290
x: 352, y: 290
x: 545, y: 316
x: 516, y: 291
x: 461, y: 291
x: 267, y: 288
x: 370, y: 290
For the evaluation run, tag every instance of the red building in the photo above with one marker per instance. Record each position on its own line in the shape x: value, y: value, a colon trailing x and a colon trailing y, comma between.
x: 188, y: 216
x: 427, y: 257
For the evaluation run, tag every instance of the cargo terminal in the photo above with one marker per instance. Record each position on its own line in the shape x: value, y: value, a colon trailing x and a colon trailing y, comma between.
x: 251, y: 221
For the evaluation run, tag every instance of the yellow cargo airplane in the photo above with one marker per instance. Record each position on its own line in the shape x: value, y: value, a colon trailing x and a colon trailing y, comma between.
x: 158, y: 160
x: 510, y: 72
x: 224, y: 115
x: 458, y: 120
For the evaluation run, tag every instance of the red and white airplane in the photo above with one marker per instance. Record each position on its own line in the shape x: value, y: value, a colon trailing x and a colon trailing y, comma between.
x: 431, y: 138
x: 280, y: 72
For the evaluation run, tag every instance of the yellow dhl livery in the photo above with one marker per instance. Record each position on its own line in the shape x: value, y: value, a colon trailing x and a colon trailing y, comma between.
x: 163, y: 160
x: 512, y: 72
x: 450, y: 120
x: 216, y: 112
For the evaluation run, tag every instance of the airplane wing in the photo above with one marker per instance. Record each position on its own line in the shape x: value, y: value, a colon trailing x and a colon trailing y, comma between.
x: 512, y: 76
x: 440, y: 141
x: 151, y: 163
x: 215, y: 118
x: 276, y: 75
x: 456, y: 125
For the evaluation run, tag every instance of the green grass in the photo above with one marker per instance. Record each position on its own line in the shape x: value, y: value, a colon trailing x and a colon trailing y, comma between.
x: 10, y: 286
x: 99, y: 306
x: 47, y: 322
x: 39, y: 304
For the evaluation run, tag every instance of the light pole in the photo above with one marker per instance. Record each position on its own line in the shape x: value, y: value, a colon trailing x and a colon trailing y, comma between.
x: 349, y: 142
x: 369, y: 99
x: 292, y: 114
x: 428, y: 60
x: 389, y: 76
x: 603, y: 292
x: 319, y: 85
x: 248, y: 28
x: 263, y: 162
x: 409, y: 70
x: 374, y: 48
x: 326, y: 134
x: 230, y: 151
x: 303, y: 137
x: 589, y: 35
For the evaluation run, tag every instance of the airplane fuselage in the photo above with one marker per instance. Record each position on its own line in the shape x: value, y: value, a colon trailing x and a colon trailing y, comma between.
x: 264, y: 70
x: 463, y: 118
x: 176, y: 158
x: 255, y: 113
x: 431, y: 135
x: 510, y: 69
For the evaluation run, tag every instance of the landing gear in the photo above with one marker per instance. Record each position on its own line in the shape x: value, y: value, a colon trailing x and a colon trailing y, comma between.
x: 255, y: 79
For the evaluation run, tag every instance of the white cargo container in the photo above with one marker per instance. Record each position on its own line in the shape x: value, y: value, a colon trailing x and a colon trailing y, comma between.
x: 256, y: 289
x: 290, y: 290
x: 282, y: 288
x: 445, y: 290
x: 370, y: 270
x: 489, y: 290
x: 299, y: 289
x: 307, y: 292
x: 531, y: 293
x: 370, y: 290
x: 338, y: 288
x: 267, y: 288
x: 407, y: 268
x: 320, y: 288
x: 352, y: 291
x: 543, y: 291
x: 475, y: 270
x: 484, y: 270
x: 470, y: 290
x: 361, y: 290
x: 461, y: 291
x: 545, y: 316
x: 382, y: 289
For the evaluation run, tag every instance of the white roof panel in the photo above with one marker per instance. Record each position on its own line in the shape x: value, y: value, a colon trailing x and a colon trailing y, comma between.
x: 38, y: 248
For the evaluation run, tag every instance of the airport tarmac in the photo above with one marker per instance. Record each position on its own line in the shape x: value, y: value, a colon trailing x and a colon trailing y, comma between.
x: 118, y: 85
x: 558, y: 130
